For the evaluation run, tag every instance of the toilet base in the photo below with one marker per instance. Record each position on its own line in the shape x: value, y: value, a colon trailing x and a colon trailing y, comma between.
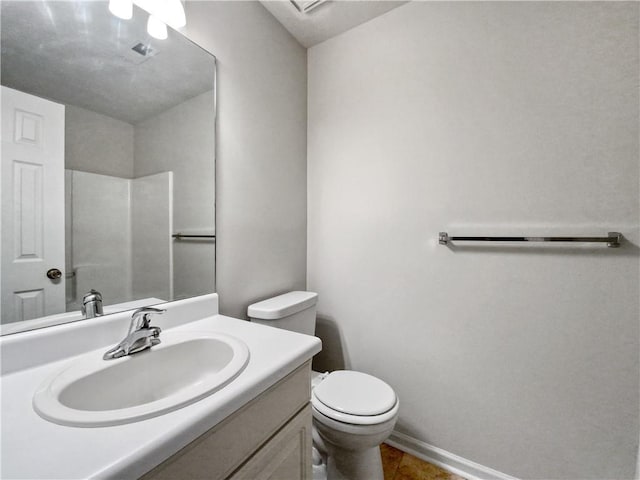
x: 335, y: 463
x: 350, y: 465
x: 352, y: 452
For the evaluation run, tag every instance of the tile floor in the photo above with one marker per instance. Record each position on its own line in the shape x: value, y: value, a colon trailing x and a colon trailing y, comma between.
x: 402, y: 466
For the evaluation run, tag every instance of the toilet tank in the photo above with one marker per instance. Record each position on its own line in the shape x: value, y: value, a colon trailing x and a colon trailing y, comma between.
x: 295, y: 311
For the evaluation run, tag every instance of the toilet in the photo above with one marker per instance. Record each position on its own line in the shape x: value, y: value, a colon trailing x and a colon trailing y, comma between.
x: 353, y: 412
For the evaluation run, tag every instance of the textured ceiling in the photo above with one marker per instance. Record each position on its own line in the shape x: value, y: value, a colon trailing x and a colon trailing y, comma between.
x: 327, y: 20
x: 77, y: 53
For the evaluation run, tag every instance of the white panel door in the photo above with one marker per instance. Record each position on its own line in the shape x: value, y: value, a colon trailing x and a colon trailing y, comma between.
x: 32, y: 224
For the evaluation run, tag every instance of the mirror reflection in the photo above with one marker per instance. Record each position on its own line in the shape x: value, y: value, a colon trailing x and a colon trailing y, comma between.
x: 107, y: 164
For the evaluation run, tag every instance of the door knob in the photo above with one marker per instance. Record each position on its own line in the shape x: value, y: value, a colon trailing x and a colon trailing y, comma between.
x: 54, y: 274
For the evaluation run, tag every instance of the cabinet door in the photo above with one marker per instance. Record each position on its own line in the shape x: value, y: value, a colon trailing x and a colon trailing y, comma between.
x: 232, y: 443
x: 287, y: 456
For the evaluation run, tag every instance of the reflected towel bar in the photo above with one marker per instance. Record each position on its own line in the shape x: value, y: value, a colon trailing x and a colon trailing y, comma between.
x: 179, y: 236
x: 612, y: 240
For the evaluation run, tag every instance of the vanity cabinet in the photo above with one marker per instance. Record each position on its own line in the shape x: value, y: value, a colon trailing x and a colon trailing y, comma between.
x: 268, y: 438
x: 285, y: 456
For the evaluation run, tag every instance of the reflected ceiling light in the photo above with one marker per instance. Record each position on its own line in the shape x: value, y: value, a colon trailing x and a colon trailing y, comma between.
x: 156, y: 28
x: 161, y: 14
x: 121, y: 8
x: 170, y: 12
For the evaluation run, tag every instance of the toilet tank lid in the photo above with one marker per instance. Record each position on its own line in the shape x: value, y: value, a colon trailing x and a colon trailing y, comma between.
x: 282, y: 305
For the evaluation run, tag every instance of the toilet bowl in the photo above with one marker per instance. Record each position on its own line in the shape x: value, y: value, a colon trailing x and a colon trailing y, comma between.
x: 353, y: 412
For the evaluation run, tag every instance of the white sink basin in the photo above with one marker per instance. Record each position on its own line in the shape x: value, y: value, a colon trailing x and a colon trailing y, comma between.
x: 184, y: 368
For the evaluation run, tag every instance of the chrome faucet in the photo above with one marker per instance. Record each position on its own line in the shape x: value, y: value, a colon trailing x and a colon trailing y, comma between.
x: 92, y: 304
x: 141, y: 334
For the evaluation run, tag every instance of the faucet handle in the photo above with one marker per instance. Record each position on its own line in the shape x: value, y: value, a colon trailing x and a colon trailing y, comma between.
x: 92, y: 296
x: 144, y: 313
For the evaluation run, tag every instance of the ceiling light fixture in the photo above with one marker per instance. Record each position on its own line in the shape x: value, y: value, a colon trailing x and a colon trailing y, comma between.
x: 170, y: 12
x: 121, y: 8
x: 161, y: 14
x: 157, y: 28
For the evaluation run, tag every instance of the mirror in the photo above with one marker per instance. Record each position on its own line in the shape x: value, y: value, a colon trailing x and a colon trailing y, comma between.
x: 107, y: 163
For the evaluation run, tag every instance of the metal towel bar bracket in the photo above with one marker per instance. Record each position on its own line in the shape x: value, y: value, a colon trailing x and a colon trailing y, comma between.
x: 612, y: 240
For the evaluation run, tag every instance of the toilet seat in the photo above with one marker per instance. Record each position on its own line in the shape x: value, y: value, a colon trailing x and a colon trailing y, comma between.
x: 355, y: 398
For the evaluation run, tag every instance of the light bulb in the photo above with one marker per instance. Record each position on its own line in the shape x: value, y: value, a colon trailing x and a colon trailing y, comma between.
x: 157, y: 28
x: 121, y: 8
x: 171, y: 12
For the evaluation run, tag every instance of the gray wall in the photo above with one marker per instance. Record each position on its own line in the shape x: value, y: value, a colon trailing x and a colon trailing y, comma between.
x: 494, y: 118
x: 260, y: 151
x: 97, y: 143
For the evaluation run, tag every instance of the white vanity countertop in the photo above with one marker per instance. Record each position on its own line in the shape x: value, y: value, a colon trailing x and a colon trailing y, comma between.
x: 37, y: 449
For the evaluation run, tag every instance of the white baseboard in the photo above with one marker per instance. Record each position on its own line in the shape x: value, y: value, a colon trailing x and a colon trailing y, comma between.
x: 447, y: 460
